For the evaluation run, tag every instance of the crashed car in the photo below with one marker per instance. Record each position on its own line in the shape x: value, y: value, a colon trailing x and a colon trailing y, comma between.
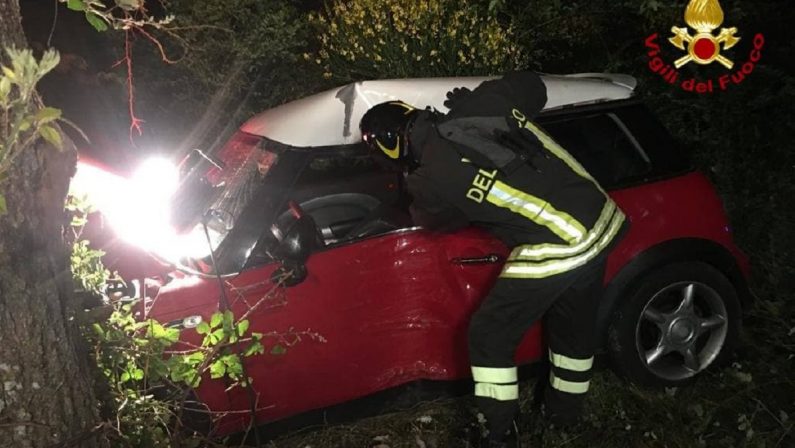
x: 312, y: 238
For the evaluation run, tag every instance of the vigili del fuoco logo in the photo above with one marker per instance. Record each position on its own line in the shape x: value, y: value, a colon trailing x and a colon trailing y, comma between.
x: 700, y: 44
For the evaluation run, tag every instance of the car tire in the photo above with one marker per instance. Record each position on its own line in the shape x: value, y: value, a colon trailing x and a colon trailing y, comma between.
x: 676, y: 322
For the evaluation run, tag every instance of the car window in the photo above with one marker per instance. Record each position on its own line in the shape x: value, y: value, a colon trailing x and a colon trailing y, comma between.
x: 666, y: 155
x: 602, y: 144
x: 343, y: 191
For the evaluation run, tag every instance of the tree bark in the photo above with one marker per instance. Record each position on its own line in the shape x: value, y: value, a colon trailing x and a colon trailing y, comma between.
x: 46, y: 394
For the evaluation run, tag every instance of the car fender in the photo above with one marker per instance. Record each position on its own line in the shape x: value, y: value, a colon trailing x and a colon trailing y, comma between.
x: 672, y: 251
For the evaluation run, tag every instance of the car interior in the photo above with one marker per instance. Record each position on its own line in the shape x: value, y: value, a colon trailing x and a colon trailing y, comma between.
x: 351, y: 196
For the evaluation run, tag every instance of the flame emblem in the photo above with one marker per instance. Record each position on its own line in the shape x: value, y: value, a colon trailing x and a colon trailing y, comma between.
x: 704, y: 16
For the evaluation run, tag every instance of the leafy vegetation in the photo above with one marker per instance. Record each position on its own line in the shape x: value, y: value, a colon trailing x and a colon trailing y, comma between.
x: 119, y: 14
x: 87, y: 269
x: 236, y: 58
x: 367, y: 39
x: 23, y: 120
x: 150, y: 373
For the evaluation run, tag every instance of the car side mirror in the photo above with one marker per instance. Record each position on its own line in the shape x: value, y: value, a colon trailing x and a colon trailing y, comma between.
x: 296, y: 243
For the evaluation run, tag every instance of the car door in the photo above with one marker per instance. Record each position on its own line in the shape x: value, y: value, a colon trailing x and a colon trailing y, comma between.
x: 375, y: 310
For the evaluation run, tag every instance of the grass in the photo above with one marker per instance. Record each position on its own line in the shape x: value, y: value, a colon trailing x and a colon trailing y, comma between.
x: 748, y: 404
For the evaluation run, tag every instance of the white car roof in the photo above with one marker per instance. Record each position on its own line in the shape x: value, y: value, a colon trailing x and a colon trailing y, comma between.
x: 332, y: 117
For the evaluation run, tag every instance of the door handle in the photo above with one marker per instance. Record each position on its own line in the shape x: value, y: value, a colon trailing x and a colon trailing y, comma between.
x: 486, y: 259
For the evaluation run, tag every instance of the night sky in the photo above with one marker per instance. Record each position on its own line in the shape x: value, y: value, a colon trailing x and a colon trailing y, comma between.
x: 87, y: 85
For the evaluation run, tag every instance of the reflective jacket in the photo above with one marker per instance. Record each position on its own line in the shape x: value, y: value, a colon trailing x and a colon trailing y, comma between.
x: 546, y: 207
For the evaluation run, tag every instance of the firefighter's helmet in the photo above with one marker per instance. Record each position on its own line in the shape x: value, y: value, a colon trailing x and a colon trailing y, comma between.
x: 384, y: 129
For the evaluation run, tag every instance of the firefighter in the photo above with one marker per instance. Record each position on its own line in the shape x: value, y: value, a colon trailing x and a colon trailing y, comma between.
x: 485, y: 163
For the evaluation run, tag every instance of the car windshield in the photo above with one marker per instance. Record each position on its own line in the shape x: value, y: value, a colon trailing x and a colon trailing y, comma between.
x: 215, y: 191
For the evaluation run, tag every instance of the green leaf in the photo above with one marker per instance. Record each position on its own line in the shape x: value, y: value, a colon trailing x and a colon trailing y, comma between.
x: 171, y: 335
x: 229, y: 319
x: 156, y: 330
x: 217, y: 369
x: 76, y: 5
x: 179, y: 374
x: 9, y: 74
x: 203, y: 328
x: 24, y: 125
x: 194, y: 359
x: 96, y: 21
x: 48, y: 61
x: 47, y: 114
x: 253, y: 349
x: 129, y: 5
x: 242, y: 327
x: 278, y: 350
x: 51, y: 135
x: 214, y: 337
x: 3, y: 206
x: 216, y: 320
x: 79, y: 221
x: 157, y: 369
x: 5, y: 87
x: 234, y: 368
x: 137, y: 374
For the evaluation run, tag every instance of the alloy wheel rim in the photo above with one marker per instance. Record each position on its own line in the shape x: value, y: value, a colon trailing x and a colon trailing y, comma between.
x: 681, y: 330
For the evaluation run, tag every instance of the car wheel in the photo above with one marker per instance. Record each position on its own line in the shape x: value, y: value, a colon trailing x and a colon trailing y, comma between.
x: 678, y: 321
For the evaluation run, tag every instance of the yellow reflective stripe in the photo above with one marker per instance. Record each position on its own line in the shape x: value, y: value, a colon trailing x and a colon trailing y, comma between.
x: 501, y: 392
x: 571, y: 387
x: 542, y: 251
x: 553, y: 267
x: 536, y: 210
x: 393, y: 153
x: 573, y: 364
x: 494, y: 375
x: 558, y: 150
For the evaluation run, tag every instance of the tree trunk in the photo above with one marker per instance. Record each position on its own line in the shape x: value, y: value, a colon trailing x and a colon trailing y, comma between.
x: 46, y: 395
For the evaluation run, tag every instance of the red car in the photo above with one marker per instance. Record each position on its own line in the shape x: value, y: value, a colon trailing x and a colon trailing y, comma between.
x: 376, y: 303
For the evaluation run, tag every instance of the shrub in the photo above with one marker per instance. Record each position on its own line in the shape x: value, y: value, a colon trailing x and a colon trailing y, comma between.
x: 405, y: 38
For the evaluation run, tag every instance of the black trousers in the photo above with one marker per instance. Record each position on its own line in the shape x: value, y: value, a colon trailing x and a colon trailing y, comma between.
x: 568, y: 303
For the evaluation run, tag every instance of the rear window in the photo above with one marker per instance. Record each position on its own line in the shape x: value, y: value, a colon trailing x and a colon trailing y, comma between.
x: 602, y: 144
x: 666, y: 155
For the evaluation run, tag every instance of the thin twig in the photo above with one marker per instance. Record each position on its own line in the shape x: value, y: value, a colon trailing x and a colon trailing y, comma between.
x: 54, y: 21
x: 163, y: 56
x: 135, y: 122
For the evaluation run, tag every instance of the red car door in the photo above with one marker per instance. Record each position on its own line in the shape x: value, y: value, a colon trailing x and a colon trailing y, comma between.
x: 370, y: 315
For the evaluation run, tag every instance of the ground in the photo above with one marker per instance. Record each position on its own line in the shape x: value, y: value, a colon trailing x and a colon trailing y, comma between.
x: 750, y: 403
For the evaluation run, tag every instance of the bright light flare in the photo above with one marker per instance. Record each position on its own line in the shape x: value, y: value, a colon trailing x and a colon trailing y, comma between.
x: 138, y: 209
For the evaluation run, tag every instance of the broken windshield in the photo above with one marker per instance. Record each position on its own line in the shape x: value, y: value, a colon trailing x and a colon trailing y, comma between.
x: 215, y: 191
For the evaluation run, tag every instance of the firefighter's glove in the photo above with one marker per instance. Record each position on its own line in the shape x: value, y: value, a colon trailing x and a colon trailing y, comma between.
x: 455, y: 96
